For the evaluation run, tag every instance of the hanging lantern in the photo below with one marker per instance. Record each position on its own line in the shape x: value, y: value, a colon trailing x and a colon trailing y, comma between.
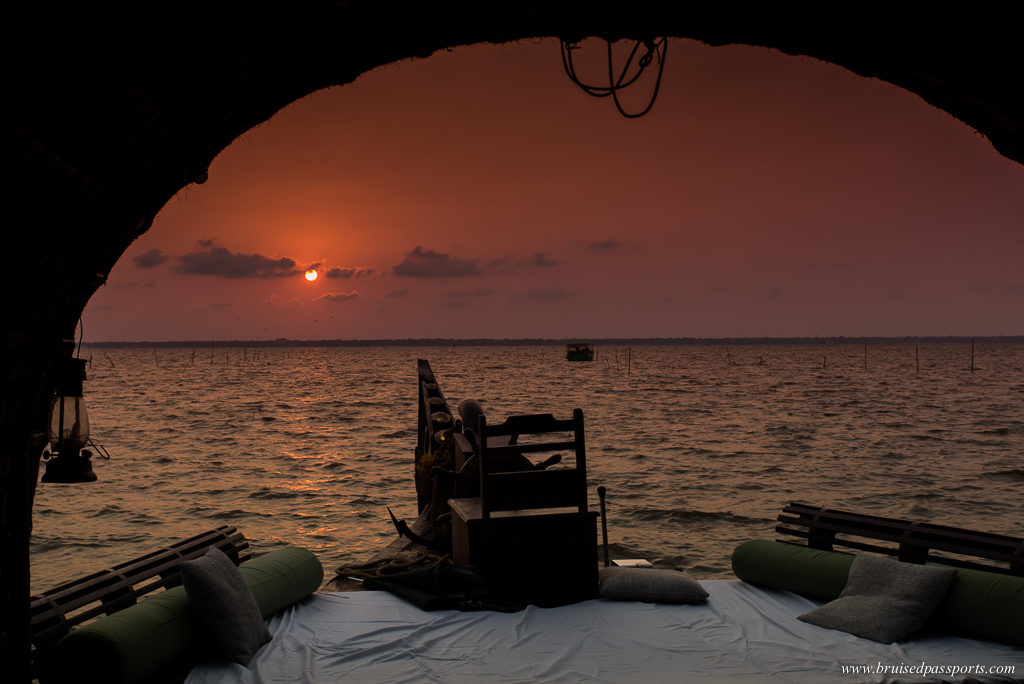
x: 68, y: 460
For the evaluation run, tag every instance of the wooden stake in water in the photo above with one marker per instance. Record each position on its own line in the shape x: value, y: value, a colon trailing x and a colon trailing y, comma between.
x: 865, y: 356
x: 601, y: 492
x: 972, y: 356
x: 917, y: 360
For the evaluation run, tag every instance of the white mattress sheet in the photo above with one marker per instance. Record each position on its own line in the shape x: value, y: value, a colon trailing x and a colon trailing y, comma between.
x: 741, y: 634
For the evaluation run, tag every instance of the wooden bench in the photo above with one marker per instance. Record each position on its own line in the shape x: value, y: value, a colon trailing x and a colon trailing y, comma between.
x: 913, y: 542
x: 55, y: 612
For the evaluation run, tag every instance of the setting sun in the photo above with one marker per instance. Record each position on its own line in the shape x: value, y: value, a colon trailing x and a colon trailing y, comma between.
x: 311, y: 274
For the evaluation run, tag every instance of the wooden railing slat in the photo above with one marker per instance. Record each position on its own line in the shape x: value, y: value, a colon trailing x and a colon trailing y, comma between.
x: 914, y: 542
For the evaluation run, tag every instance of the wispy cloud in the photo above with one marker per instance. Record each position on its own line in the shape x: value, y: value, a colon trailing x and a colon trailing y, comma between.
x: 604, y: 245
x: 348, y: 272
x: 214, y: 260
x: 397, y: 294
x: 276, y: 301
x: 426, y: 263
x: 221, y: 262
x: 500, y: 261
x: 468, y: 294
x: 153, y: 257
x: 539, y: 260
x: 337, y: 296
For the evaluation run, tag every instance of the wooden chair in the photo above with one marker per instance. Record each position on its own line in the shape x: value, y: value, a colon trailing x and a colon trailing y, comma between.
x: 530, y: 529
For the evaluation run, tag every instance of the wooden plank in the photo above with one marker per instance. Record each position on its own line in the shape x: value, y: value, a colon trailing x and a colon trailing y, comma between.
x: 913, y: 541
x: 953, y: 540
x: 533, y: 423
x: 838, y: 519
x: 862, y: 519
x: 496, y: 452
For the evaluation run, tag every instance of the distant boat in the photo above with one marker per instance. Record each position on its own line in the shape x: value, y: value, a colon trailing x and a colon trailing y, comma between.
x: 579, y: 351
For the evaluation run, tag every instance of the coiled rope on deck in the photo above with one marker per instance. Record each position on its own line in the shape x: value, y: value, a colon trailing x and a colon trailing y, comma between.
x: 406, y: 561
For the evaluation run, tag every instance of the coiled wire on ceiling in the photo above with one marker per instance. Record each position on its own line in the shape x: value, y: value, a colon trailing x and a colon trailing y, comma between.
x: 655, y: 50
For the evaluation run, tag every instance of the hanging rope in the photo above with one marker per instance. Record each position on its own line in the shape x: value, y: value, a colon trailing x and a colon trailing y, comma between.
x: 656, y: 49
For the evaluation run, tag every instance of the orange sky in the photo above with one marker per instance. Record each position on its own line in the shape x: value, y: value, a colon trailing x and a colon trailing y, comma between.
x: 478, y: 193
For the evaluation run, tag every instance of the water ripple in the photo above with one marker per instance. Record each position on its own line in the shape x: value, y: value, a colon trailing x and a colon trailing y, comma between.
x: 697, y: 454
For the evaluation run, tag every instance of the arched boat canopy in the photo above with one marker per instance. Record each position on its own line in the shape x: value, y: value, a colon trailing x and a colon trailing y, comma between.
x: 108, y: 110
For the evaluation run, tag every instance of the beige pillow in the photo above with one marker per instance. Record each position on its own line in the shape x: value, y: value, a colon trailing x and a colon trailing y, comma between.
x: 654, y: 585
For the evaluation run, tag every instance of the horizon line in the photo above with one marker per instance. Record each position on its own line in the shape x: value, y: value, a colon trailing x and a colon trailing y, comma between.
x: 540, y: 341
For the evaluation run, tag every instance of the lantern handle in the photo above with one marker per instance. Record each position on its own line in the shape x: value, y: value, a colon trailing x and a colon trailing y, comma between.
x: 100, y: 449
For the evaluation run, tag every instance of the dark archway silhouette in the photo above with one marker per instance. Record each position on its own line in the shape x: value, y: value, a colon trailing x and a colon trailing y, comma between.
x: 106, y: 111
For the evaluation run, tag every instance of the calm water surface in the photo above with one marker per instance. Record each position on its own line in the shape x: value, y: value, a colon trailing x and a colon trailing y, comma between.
x: 699, y: 446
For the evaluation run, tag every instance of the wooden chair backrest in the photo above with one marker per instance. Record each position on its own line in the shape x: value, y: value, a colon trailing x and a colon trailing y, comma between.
x: 525, y: 489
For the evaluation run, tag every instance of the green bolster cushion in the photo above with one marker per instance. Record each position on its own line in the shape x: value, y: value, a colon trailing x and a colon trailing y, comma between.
x: 983, y: 605
x: 131, y: 644
x: 816, y: 574
x: 162, y: 631
x: 978, y: 604
x: 282, y: 577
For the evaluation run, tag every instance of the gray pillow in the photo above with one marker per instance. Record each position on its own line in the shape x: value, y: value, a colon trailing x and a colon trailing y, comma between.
x: 654, y: 585
x: 884, y: 600
x: 225, y: 605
